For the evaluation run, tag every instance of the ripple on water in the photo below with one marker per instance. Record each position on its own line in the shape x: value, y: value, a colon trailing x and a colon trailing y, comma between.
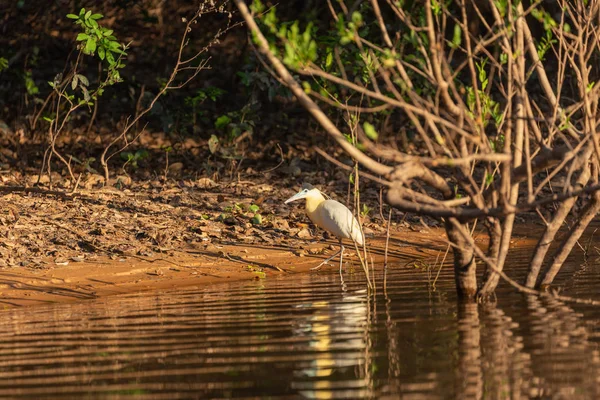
x: 305, y: 336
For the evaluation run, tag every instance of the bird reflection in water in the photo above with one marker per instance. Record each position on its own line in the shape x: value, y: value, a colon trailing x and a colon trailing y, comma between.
x: 337, y: 334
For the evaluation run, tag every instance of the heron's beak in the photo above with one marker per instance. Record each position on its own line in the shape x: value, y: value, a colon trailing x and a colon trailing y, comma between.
x: 297, y: 196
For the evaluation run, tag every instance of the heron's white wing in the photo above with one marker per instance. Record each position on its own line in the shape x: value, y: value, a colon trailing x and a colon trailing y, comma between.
x: 338, y: 219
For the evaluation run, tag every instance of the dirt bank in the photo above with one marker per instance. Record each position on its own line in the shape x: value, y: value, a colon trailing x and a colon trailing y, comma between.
x: 103, y: 241
x: 100, y: 276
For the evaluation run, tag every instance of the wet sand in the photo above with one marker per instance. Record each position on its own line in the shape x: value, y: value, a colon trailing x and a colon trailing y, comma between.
x: 103, y: 276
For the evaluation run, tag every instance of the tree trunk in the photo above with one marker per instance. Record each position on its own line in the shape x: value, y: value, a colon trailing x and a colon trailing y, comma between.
x: 516, y: 147
x: 465, y: 267
x: 563, y: 251
x: 564, y: 208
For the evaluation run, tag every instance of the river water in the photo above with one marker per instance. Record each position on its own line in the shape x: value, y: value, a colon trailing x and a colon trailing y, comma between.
x: 309, y: 336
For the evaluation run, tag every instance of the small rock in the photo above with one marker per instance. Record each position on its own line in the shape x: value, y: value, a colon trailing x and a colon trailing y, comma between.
x: 205, y: 183
x: 368, y: 231
x: 281, y: 224
x: 304, y: 234
x: 176, y: 167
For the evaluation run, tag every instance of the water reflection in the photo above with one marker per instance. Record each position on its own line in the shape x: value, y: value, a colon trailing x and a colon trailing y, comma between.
x: 306, y: 336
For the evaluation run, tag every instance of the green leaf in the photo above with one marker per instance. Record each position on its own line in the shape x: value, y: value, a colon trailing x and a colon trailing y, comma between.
x: 82, y: 36
x: 88, y: 14
x: 90, y: 46
x: 257, y: 7
x: 83, y: 79
x: 489, y: 178
x: 370, y: 131
x: 107, y: 32
x: 329, y: 59
x: 213, y: 144
x: 74, y: 82
x: 222, y: 122
x: 72, y: 16
x: 256, y: 220
x: 118, y: 51
x: 110, y: 58
x: 253, y: 208
x: 307, y: 87
x: 101, y: 53
x: 357, y: 19
x: 141, y: 154
x: 457, y: 37
x: 96, y: 16
x: 590, y: 86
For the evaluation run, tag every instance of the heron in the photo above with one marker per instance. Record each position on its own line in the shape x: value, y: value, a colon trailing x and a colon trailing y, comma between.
x: 330, y: 215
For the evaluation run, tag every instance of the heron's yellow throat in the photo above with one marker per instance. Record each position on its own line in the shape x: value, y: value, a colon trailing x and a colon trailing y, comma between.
x: 314, y: 198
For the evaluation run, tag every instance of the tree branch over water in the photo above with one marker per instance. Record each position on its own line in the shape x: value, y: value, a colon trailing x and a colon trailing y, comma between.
x: 486, y: 145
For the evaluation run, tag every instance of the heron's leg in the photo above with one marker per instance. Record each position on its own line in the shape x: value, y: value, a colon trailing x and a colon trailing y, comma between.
x: 341, y: 255
x: 326, y: 261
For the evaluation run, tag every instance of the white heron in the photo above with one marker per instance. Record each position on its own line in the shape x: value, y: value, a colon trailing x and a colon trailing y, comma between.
x: 330, y: 215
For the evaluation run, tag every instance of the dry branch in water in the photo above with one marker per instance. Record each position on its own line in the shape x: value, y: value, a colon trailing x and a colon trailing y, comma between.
x: 503, y: 113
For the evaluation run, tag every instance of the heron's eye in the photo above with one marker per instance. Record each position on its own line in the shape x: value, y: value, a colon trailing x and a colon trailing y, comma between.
x: 305, y: 190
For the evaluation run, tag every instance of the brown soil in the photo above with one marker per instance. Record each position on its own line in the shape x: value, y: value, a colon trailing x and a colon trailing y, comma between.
x: 56, y: 247
x: 102, y: 276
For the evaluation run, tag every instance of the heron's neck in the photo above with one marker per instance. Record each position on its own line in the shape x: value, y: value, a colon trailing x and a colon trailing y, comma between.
x: 312, y: 202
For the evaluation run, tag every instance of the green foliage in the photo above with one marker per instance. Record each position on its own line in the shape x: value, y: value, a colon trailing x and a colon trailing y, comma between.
x: 256, y: 219
x: 300, y: 48
x: 3, y: 64
x: 545, y: 44
x: 202, y: 95
x: 502, y: 6
x: 133, y: 158
x: 370, y: 131
x: 96, y: 39
x: 544, y: 17
x: 489, y: 178
x: 86, y: 164
x: 30, y: 85
x: 222, y: 121
x: 489, y: 107
x: 365, y: 210
x: 235, y: 123
x: 456, y: 37
x: 589, y: 87
x: 193, y: 110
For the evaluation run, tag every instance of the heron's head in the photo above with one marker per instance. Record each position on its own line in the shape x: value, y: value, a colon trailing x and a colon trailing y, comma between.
x: 306, y: 192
